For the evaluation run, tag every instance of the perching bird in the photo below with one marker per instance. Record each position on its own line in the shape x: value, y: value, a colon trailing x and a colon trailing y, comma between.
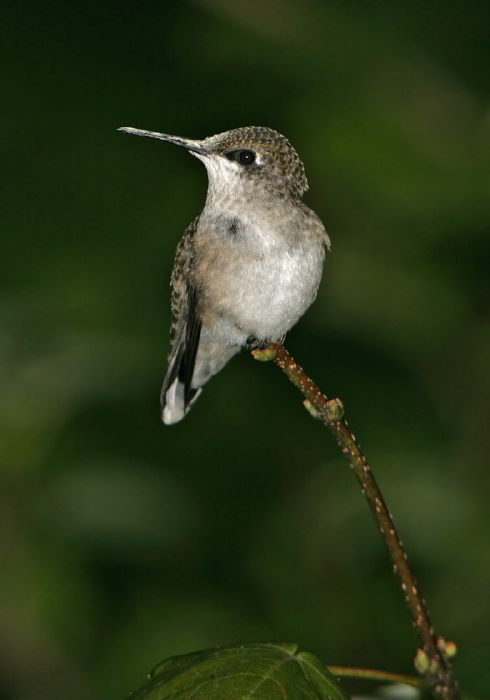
x: 248, y: 266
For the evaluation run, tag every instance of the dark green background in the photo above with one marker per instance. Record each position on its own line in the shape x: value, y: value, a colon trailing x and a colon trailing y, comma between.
x: 124, y: 541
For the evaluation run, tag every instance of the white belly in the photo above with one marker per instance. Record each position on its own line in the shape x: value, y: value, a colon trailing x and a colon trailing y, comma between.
x: 257, y: 285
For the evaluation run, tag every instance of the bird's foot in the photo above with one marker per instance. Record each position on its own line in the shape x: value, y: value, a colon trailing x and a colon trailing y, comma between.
x: 253, y: 343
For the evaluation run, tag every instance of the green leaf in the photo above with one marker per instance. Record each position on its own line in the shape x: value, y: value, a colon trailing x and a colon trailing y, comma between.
x: 242, y: 672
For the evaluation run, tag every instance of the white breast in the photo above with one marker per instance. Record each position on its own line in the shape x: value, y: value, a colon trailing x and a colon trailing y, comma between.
x: 257, y: 281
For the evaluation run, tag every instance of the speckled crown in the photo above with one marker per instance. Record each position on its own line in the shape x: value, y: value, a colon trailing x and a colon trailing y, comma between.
x: 273, y: 145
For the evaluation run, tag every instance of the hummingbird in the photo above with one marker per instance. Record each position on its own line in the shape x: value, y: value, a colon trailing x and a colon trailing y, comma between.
x: 249, y: 265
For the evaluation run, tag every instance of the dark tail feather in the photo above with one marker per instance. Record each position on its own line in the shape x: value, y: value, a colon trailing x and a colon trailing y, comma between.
x: 177, y: 394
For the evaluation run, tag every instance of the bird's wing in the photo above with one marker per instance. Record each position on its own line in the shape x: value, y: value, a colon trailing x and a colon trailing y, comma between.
x: 177, y: 393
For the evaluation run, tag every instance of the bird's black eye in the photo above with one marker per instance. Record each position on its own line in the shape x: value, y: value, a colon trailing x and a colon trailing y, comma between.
x: 245, y: 157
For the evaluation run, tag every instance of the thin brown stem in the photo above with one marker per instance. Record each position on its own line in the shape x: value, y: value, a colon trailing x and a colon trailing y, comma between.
x: 432, y: 660
x: 372, y: 674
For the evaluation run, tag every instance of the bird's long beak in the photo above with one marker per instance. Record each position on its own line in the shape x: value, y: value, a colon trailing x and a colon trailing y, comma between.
x: 189, y: 144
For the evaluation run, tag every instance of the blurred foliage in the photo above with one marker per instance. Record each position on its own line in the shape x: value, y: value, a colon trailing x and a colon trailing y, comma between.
x: 125, y: 542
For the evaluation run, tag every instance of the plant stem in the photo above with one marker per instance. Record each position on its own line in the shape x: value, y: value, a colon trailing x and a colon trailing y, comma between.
x: 432, y: 660
x: 371, y: 674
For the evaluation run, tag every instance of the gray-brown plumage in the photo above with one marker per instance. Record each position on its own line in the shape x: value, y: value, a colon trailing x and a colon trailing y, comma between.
x: 248, y: 266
